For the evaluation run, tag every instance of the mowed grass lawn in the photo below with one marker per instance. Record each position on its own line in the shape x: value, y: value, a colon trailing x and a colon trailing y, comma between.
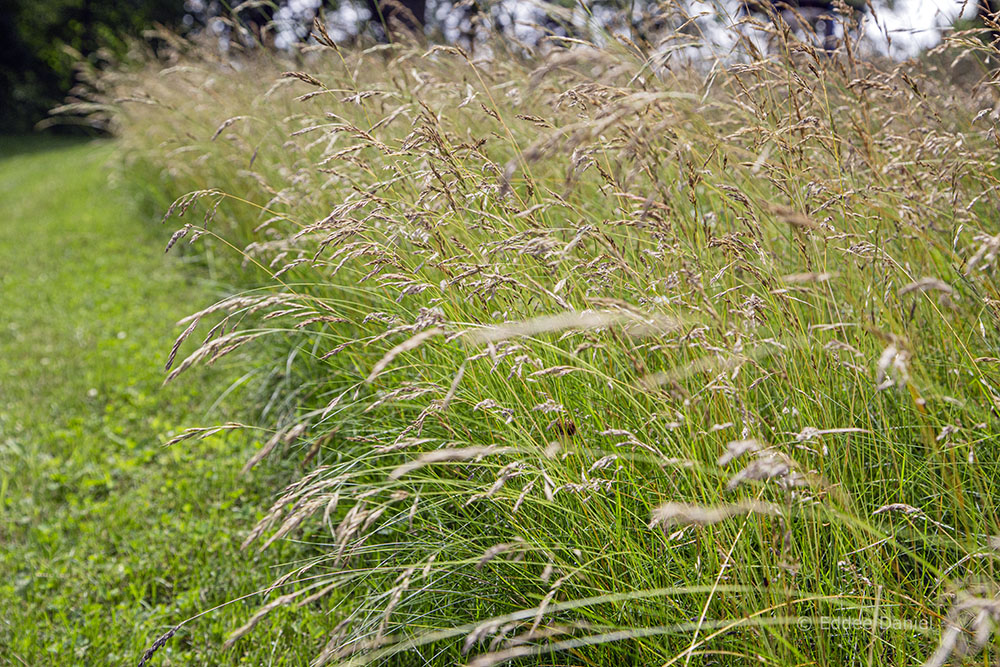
x: 107, y: 537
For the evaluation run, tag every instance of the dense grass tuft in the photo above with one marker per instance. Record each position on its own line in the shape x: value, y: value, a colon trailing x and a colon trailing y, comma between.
x: 600, y: 361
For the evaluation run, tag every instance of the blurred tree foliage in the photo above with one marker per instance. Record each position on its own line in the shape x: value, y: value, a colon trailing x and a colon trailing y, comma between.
x: 36, y: 67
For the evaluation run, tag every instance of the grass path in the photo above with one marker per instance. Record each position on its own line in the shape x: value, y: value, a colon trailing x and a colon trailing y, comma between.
x: 108, y: 538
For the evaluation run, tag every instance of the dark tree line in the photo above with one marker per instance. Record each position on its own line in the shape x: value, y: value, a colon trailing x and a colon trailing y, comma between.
x: 38, y: 39
x: 41, y: 40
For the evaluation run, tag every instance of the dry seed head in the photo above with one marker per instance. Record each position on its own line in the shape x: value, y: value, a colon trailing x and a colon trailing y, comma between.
x: 908, y: 510
x: 549, y: 323
x: 261, y: 613
x: 498, y: 549
x: 809, y: 277
x: 447, y: 455
x: 737, y: 448
x: 524, y: 494
x: 896, y: 360
x: 811, y: 432
x: 396, y: 594
x: 202, y: 433
x: 410, y: 344
x: 766, y: 466
x: 977, y: 617
x: 684, y: 514
x: 286, y: 436
x: 926, y: 285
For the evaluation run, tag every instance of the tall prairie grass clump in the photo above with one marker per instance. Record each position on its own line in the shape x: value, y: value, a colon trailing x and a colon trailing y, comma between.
x: 591, y: 358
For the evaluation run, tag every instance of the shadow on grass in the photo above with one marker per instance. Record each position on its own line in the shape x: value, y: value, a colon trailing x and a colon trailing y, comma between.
x: 19, y: 145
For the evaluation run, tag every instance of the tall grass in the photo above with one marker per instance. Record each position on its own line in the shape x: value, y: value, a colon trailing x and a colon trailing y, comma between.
x: 592, y: 359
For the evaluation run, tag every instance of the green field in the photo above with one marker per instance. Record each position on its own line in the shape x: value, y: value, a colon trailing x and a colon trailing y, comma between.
x: 108, y: 537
